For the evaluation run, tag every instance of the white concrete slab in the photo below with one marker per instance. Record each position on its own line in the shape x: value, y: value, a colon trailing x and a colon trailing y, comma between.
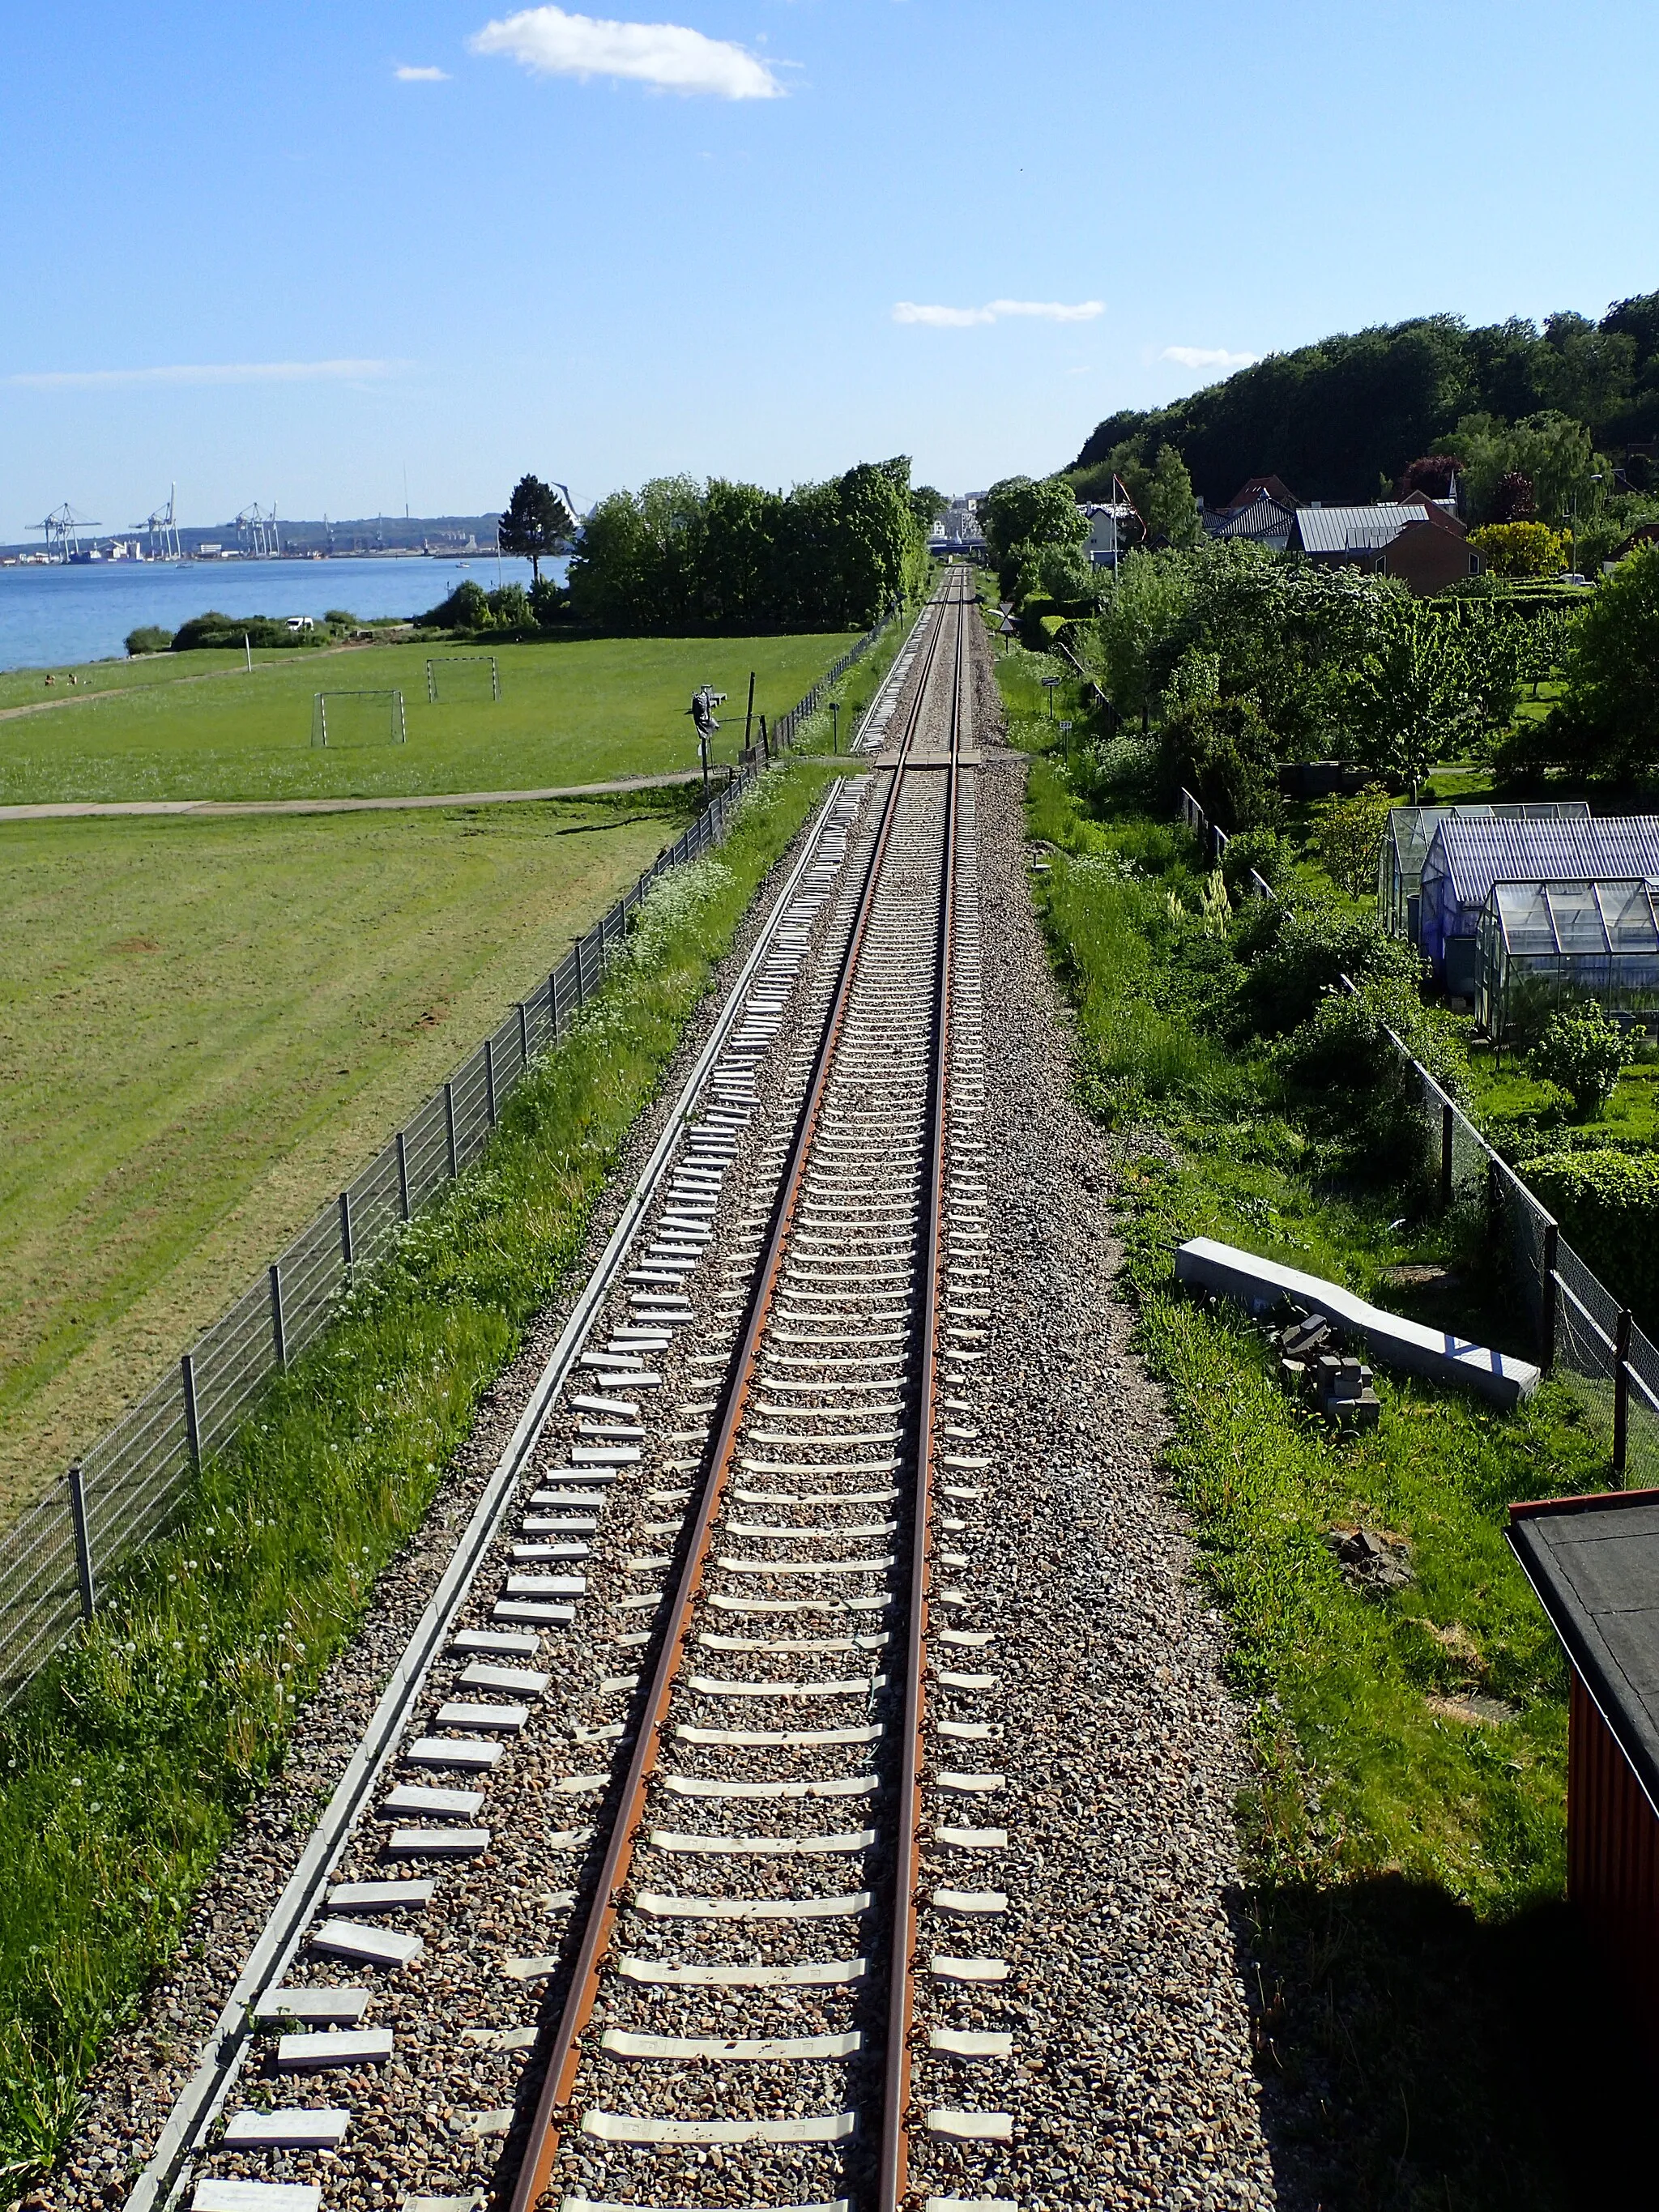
x: 1264, y: 1286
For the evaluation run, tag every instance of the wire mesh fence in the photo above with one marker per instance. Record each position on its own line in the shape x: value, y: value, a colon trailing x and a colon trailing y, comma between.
x: 1583, y: 1336
x: 784, y: 731
x: 128, y: 1487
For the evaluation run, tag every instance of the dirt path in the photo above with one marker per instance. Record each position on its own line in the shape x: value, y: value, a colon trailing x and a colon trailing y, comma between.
x: 72, y: 810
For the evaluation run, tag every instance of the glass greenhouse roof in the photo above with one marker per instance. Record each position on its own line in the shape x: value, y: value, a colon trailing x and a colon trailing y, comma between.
x: 1543, y: 921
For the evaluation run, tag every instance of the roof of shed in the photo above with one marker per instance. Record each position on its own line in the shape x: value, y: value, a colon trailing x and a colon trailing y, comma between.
x: 1476, y: 855
x: 1593, y: 1562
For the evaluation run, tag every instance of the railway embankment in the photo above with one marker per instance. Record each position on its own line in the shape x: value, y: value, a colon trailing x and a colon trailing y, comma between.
x: 1402, y: 1828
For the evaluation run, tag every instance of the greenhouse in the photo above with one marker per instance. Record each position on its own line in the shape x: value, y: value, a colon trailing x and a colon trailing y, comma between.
x: 1410, y: 832
x: 1467, y: 857
x: 1541, y: 944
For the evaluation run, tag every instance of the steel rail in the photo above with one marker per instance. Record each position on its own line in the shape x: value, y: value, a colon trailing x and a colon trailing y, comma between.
x: 552, y: 2114
x: 894, y: 2156
x: 229, y: 2043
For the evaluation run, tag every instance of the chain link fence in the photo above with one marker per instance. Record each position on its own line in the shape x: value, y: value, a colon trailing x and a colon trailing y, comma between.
x: 1583, y: 1335
x: 128, y: 1487
x: 785, y: 730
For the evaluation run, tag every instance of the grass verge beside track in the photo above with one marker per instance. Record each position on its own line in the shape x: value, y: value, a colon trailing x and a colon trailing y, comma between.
x: 122, y: 1776
x: 1403, y: 1837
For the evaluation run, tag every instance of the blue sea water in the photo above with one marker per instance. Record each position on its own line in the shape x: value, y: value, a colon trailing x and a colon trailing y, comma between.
x: 54, y: 617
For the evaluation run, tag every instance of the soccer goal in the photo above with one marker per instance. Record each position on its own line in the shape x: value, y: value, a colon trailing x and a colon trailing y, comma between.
x: 457, y: 685
x: 358, y: 718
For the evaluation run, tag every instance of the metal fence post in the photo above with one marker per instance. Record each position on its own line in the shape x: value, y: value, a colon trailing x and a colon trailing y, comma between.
x: 82, y: 1542
x: 490, y: 1081
x: 402, y: 1176
x: 1552, y: 1299
x: 1621, y: 1392
x: 449, y: 1124
x: 553, y: 1001
x: 581, y: 979
x: 524, y: 1034
x: 192, y: 1433
x: 279, y: 1328
x: 1448, y: 1125
x: 345, y: 1227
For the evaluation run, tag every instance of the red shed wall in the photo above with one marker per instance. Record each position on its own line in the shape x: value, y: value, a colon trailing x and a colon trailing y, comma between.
x: 1613, y: 1857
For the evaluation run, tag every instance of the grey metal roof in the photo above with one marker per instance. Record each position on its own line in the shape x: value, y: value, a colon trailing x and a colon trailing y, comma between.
x: 1266, y: 520
x: 1476, y: 855
x: 1354, y: 529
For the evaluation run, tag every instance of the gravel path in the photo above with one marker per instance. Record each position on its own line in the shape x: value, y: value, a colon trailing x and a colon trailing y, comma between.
x: 75, y: 810
x: 1123, y: 1748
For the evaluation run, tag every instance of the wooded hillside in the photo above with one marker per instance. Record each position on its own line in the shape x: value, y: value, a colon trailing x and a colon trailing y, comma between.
x: 1342, y: 419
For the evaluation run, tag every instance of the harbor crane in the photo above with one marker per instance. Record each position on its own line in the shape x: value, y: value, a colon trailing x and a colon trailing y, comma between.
x: 62, y: 527
x: 163, y: 529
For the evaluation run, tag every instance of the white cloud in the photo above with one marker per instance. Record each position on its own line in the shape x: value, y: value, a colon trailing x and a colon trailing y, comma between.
x: 1207, y: 357
x: 229, y: 372
x: 996, y: 311
x: 666, y: 55
x: 407, y: 75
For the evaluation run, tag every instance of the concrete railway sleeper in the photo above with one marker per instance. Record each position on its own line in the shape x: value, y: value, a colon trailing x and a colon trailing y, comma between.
x: 682, y: 1876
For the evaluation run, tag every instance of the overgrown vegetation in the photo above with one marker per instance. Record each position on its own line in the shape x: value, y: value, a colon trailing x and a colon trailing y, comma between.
x: 123, y: 1774
x: 1403, y: 1836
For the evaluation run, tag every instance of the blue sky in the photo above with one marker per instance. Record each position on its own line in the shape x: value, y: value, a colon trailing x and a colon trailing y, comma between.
x: 242, y: 251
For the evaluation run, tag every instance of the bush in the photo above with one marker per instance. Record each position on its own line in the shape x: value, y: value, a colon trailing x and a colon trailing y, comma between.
x: 1607, y: 1205
x: 1295, y: 957
x: 213, y: 631
x: 1520, y: 548
x: 1267, y: 850
x: 1224, y: 754
x: 146, y: 638
x: 342, y: 618
x: 1583, y: 1052
x: 466, y: 608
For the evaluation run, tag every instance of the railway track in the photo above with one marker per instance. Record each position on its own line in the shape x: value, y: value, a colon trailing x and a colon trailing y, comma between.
x: 672, y: 1877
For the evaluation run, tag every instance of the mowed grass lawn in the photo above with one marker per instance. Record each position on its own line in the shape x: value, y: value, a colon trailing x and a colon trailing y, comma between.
x: 578, y: 711
x: 207, y: 1026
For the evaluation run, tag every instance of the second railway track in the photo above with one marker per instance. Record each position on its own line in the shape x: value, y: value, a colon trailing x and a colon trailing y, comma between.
x: 681, y: 1886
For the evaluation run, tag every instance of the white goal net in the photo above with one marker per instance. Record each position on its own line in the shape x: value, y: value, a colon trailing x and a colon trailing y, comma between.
x: 456, y: 678
x: 358, y: 718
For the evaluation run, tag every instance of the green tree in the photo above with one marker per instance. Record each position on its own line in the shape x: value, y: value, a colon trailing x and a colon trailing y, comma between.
x: 927, y: 504
x: 1550, y: 449
x: 1020, y: 515
x: 538, y: 522
x: 1608, y: 720
x: 1519, y: 549
x: 1408, y: 696
x: 1136, y: 641
x: 1351, y: 832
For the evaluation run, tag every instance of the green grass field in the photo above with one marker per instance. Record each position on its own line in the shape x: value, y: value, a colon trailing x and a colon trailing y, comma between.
x: 207, y: 1026
x: 571, y: 712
